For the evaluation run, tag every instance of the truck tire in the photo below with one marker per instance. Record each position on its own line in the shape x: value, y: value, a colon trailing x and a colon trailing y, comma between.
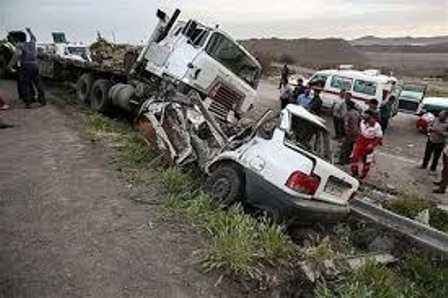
x: 226, y: 184
x: 83, y: 88
x: 99, y: 96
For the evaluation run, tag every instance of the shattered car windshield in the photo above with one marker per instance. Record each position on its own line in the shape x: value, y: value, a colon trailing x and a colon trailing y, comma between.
x: 309, y: 136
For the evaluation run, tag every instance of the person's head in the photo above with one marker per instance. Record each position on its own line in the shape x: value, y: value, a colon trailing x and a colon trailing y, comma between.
x: 370, y: 117
x: 442, y: 115
x: 21, y: 36
x: 373, y: 104
x: 342, y: 93
x: 300, y: 82
x: 286, y: 66
x: 348, y: 96
x: 307, y: 90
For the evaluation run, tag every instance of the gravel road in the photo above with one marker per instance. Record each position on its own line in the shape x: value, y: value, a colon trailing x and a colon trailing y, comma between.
x: 68, y: 228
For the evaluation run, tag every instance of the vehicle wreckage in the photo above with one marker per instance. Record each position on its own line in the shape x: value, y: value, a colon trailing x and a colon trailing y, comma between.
x: 281, y: 164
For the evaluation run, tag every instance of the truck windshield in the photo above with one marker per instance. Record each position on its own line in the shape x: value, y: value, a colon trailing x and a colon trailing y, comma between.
x: 229, y: 54
x: 415, y: 92
x: 309, y: 136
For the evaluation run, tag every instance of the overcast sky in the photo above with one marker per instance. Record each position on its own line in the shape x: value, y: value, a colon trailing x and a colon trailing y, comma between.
x: 132, y: 20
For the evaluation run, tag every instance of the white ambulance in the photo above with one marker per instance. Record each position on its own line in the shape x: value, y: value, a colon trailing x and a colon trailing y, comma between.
x: 363, y: 85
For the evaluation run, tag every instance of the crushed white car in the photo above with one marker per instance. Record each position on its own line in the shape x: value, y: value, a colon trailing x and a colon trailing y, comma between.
x: 284, y: 168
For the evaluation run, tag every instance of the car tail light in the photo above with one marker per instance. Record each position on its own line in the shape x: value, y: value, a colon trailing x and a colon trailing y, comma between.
x: 303, y: 183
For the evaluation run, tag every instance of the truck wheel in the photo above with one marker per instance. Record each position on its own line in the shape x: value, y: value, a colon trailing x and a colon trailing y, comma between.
x: 83, y: 88
x: 226, y: 183
x: 99, y: 96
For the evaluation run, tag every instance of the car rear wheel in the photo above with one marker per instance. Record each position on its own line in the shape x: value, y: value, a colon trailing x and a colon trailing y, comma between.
x: 226, y: 184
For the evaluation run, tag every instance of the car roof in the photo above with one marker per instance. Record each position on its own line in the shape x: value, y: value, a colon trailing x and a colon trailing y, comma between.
x: 304, y: 114
x: 435, y: 100
x: 365, y: 75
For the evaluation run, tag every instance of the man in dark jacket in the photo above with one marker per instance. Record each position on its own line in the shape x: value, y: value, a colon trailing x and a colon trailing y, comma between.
x: 316, y: 103
x: 284, y: 77
x: 26, y: 57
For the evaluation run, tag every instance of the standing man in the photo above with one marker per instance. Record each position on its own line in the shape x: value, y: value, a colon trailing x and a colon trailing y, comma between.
x: 369, y: 137
x: 284, y: 77
x: 305, y: 99
x: 352, y: 120
x: 444, y: 181
x: 438, y: 131
x: 285, y: 96
x: 26, y: 56
x: 385, y: 112
x: 339, y: 110
x: 316, y: 103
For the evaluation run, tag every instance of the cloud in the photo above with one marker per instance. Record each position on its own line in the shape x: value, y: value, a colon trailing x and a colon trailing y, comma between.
x: 133, y: 20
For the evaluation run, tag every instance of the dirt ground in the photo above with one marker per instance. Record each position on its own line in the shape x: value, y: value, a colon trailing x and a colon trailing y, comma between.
x: 68, y: 227
x: 395, y: 163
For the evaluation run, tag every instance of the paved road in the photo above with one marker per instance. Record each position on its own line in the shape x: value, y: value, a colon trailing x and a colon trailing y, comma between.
x: 68, y: 228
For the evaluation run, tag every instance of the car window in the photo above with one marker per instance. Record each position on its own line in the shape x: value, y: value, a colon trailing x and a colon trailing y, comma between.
x: 365, y: 87
x: 339, y: 82
x: 309, y: 136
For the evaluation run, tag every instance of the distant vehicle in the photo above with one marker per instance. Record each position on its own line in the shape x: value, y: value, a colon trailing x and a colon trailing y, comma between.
x: 411, y: 97
x: 431, y: 104
x: 363, y: 85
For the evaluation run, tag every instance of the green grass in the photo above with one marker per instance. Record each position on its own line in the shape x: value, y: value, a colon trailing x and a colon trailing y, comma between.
x: 411, y: 205
x: 240, y: 245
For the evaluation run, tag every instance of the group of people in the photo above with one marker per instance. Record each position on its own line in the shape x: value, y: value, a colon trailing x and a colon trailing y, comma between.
x: 24, y: 64
x: 360, y: 132
x: 301, y: 95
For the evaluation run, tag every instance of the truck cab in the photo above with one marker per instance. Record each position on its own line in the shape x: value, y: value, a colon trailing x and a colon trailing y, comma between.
x: 209, y: 61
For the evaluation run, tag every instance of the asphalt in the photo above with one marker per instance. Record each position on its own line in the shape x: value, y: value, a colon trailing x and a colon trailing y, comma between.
x: 68, y: 227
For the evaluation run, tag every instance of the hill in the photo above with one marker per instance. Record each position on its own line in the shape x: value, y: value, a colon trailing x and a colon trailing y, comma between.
x: 398, y: 41
x: 316, y: 53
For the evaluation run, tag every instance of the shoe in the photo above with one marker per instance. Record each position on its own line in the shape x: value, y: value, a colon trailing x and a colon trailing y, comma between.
x: 5, y: 125
x: 42, y: 101
x: 27, y: 106
x: 437, y: 183
x: 439, y: 191
x: 4, y: 107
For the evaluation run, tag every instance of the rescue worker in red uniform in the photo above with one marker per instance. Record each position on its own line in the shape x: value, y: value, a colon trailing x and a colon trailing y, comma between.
x: 369, y: 137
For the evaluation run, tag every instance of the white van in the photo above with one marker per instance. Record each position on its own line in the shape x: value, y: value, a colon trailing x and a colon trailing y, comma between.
x: 363, y: 85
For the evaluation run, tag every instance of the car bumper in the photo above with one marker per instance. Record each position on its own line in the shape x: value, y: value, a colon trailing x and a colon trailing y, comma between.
x: 285, y: 207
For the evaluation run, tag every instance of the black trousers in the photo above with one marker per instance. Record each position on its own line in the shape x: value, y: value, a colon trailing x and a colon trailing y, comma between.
x: 31, y: 80
x: 346, y: 150
x: 339, y: 127
x: 435, y: 150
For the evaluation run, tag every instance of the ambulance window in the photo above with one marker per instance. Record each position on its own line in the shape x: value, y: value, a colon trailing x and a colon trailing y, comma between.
x: 341, y: 83
x: 318, y: 79
x: 365, y: 87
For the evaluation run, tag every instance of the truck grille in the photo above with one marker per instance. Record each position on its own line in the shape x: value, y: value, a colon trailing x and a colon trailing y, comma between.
x: 407, y: 105
x: 224, y: 99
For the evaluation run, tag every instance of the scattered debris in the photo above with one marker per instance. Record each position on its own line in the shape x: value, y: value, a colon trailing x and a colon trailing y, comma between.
x: 315, y: 270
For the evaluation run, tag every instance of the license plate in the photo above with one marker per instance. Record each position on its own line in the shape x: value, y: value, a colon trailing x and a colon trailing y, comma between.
x: 336, y: 187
